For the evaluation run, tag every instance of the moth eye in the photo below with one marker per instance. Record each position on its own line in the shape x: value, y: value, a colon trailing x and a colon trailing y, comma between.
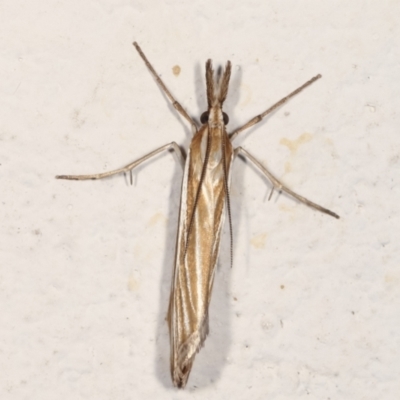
x: 204, y: 117
x: 226, y: 118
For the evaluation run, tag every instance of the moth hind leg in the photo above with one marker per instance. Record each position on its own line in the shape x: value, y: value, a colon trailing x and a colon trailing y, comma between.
x: 279, y: 185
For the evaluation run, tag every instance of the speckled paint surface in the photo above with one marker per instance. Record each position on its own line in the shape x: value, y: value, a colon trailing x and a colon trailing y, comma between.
x: 310, y: 309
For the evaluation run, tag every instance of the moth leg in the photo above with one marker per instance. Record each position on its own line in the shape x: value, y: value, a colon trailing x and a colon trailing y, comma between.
x: 159, y: 81
x: 279, y: 185
x: 259, y: 117
x: 132, y: 165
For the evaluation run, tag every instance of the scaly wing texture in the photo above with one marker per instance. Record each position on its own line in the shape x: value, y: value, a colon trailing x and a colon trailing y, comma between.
x: 197, y: 253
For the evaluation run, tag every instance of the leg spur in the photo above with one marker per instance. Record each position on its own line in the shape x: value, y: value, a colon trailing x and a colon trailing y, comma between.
x: 279, y: 185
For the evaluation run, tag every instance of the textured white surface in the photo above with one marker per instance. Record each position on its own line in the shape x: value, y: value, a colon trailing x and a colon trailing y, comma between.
x: 310, y: 309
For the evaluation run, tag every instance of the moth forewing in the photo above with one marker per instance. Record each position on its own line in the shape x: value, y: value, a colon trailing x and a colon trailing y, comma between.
x: 200, y: 225
x: 204, y: 202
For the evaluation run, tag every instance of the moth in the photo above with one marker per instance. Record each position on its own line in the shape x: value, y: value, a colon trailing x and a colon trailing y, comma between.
x: 205, y: 201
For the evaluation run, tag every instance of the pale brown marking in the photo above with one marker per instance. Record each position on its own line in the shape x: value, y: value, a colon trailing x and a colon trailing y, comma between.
x: 293, y: 145
x: 176, y: 70
x: 258, y: 241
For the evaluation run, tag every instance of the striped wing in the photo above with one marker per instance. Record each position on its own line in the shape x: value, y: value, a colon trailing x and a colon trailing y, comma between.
x: 202, y: 215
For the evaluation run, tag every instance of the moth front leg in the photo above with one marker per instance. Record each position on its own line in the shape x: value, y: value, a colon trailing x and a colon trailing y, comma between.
x: 163, y: 87
x: 128, y: 168
x: 279, y: 185
x: 259, y: 117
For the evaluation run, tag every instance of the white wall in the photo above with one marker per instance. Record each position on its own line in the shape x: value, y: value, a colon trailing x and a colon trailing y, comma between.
x: 310, y: 309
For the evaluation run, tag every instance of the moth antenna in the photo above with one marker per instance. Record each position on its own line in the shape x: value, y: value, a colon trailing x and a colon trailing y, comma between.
x: 228, y: 200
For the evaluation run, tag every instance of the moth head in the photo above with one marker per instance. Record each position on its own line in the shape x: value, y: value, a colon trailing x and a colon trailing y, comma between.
x: 217, y: 90
x: 206, y: 114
